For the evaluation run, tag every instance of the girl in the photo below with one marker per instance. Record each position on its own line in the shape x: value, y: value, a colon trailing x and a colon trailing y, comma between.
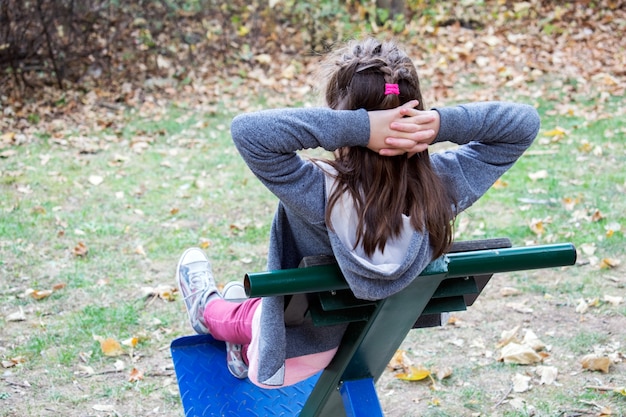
x: 383, y: 207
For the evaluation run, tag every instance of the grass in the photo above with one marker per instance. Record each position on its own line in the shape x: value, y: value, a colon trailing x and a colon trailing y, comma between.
x: 137, y: 196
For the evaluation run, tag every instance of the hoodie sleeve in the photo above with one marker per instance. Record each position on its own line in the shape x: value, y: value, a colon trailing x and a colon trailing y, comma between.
x: 269, y: 140
x: 491, y: 137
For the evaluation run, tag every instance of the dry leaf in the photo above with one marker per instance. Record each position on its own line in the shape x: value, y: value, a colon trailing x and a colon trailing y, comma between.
x: 521, y: 383
x: 16, y: 316
x: 539, y: 175
x: 95, y: 180
x: 119, y: 365
x: 80, y: 249
x: 508, y: 336
x: 9, y: 363
x: 596, y: 363
x: 85, y: 370
x: 132, y: 342
x: 548, y: 374
x: 135, y: 375
x: 509, y: 291
x: 536, y: 226
x: 609, y: 263
x: 109, y: 346
x: 398, y: 361
x: 163, y: 291
x: 443, y: 373
x: 414, y: 373
x: 531, y: 339
x: 612, y: 228
x: 519, y: 354
x: 582, y: 306
x: 103, y: 407
x: 39, y: 294
x: 596, y: 216
x: 588, y: 248
x: 557, y: 131
x: 614, y: 300
x: 500, y: 184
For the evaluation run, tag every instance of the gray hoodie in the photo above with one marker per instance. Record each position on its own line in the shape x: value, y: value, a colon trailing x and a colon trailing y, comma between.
x: 492, y: 135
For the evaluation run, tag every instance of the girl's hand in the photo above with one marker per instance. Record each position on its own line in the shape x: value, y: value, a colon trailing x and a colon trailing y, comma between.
x: 402, y: 130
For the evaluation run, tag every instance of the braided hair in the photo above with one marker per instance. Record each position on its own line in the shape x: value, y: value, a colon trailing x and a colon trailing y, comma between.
x: 384, y: 188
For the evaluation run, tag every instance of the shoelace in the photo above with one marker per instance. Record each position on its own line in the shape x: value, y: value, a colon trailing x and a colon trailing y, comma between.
x: 196, y: 280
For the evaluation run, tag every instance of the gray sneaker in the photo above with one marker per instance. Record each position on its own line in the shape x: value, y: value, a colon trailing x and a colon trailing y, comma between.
x: 234, y: 291
x: 197, y: 285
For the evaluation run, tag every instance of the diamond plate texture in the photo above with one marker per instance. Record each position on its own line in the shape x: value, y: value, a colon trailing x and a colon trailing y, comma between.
x: 208, y: 389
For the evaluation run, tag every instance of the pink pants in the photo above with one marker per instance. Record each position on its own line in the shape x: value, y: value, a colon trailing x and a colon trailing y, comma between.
x: 231, y: 322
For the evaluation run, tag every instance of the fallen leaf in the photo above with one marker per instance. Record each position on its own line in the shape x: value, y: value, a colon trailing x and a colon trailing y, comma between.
x: 582, y: 306
x: 548, y: 374
x: 132, y: 342
x: 414, y: 373
x: 103, y: 407
x: 135, y: 375
x: 509, y: 291
x: 594, y: 362
x: 39, y: 294
x: 612, y: 228
x: 536, y: 226
x: 80, y: 250
x: 556, y: 134
x: 521, y: 383
x: 119, y: 365
x: 614, y: 300
x: 85, y: 370
x: 139, y: 250
x: 398, y: 361
x: 500, y: 184
x: 95, y: 180
x: 539, y: 175
x: 596, y: 216
x: 16, y: 316
x: 9, y: 363
x: 519, y: 354
x: 588, y: 248
x: 531, y: 339
x: 110, y: 347
x: 163, y: 291
x: 508, y: 336
x: 609, y: 263
x: 443, y: 373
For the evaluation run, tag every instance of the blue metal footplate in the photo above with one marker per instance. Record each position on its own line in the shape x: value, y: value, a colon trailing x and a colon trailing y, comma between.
x: 208, y: 389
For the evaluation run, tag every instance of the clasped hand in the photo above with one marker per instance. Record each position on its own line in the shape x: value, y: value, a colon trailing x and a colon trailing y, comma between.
x: 404, y: 129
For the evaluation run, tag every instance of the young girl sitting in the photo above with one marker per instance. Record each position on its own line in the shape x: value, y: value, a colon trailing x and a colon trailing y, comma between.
x: 383, y: 207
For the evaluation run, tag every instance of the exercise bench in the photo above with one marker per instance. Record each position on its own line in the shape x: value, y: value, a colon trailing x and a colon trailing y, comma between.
x: 375, y: 330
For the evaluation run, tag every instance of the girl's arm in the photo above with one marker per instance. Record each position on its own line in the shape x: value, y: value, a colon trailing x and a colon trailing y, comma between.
x: 268, y: 142
x: 492, y: 136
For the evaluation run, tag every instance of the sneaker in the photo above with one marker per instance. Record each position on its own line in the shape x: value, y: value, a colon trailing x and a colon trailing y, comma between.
x: 234, y: 291
x: 197, y: 285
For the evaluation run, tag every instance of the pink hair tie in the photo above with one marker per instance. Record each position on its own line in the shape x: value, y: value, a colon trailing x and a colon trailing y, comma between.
x: 392, y: 89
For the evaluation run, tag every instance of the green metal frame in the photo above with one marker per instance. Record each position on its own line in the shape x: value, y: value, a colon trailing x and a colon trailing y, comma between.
x: 376, y: 329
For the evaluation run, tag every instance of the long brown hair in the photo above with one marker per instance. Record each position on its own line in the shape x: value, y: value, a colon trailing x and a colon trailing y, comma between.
x: 384, y: 188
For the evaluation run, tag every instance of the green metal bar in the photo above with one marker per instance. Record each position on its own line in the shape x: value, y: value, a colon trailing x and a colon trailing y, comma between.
x: 329, y: 278
x: 294, y: 281
x: 492, y: 261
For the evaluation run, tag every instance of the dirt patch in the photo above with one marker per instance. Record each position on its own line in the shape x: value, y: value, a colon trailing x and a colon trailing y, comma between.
x: 481, y: 385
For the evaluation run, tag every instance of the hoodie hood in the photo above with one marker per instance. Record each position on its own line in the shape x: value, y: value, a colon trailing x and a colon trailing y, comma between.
x: 383, y: 273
